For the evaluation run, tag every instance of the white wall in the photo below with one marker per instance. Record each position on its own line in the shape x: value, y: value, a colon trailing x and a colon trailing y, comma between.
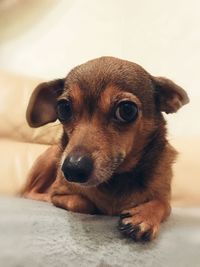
x: 47, y: 40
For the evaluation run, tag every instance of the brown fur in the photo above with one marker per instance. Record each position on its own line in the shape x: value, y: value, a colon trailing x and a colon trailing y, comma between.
x: 132, y: 162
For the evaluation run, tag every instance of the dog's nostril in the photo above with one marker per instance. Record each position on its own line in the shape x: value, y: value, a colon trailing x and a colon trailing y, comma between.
x: 77, y: 168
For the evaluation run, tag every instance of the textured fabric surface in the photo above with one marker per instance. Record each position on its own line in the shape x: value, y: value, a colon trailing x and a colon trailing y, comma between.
x: 16, y: 160
x: 38, y: 234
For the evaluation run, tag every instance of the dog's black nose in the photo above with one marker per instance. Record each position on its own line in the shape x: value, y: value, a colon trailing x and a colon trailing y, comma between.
x: 77, y: 168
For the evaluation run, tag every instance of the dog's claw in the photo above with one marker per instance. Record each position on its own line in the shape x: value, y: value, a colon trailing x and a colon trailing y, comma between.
x: 126, y: 228
x: 133, y: 230
x: 124, y: 215
x: 146, y: 236
x: 133, y: 234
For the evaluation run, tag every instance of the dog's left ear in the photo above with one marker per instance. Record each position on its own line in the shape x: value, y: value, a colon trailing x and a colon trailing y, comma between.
x: 169, y: 96
x: 42, y: 105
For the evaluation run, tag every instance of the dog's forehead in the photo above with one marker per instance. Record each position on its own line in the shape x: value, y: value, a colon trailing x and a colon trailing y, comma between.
x: 94, y: 76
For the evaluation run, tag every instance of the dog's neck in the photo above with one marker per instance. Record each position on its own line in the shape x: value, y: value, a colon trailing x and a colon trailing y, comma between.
x: 142, y: 173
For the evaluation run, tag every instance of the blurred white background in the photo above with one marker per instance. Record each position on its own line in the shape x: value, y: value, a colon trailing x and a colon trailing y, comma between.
x: 47, y: 38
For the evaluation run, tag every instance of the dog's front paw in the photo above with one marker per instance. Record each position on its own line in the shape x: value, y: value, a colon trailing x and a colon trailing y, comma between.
x: 138, y: 224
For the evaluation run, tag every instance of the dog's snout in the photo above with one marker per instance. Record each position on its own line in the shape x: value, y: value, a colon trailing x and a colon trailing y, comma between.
x: 77, y: 167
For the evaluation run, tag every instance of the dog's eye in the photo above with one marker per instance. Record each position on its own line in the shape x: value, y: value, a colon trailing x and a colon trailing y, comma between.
x: 64, y: 110
x: 126, y: 111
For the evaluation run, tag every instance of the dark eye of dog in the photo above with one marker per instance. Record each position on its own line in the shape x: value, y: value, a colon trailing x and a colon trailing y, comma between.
x: 64, y: 110
x: 126, y: 111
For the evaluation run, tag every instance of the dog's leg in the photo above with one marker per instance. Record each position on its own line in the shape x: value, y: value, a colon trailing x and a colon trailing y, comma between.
x: 142, y: 222
x: 42, y: 175
x: 75, y: 203
x: 38, y: 196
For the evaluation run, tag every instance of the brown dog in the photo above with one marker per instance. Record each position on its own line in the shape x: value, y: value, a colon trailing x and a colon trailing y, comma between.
x: 113, y: 157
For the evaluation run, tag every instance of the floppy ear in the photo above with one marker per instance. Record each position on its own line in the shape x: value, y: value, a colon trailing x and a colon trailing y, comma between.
x: 169, y: 96
x: 41, y: 108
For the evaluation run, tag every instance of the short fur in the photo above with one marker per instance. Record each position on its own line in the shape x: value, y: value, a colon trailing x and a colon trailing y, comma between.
x: 132, y: 162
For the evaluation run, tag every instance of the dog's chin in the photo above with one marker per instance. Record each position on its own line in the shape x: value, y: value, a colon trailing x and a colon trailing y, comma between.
x: 92, y: 182
x: 95, y: 182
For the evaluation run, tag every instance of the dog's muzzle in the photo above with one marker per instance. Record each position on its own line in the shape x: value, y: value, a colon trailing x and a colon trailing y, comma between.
x: 77, y: 167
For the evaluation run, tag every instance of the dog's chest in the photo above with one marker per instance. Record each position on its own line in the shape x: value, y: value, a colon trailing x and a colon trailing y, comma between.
x: 106, y: 202
x: 109, y: 204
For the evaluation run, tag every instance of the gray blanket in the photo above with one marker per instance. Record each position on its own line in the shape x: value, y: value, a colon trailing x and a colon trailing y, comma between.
x: 37, y: 234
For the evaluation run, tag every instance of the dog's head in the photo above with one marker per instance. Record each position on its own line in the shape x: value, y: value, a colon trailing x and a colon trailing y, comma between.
x: 109, y: 108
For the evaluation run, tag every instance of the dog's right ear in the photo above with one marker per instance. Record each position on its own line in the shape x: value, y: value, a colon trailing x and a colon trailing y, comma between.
x: 170, y: 97
x: 42, y: 105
